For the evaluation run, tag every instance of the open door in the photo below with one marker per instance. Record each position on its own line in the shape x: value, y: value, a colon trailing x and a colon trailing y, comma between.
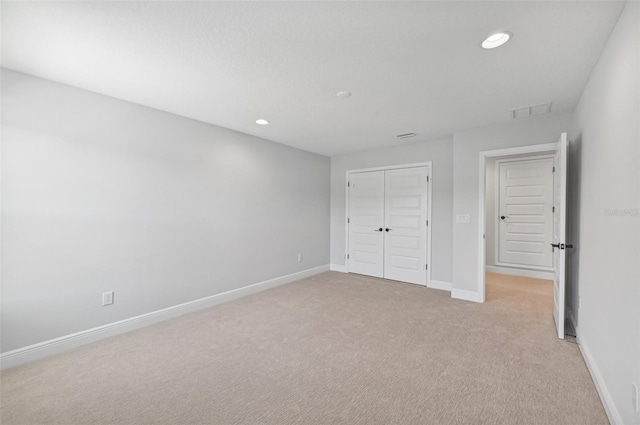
x: 559, y: 232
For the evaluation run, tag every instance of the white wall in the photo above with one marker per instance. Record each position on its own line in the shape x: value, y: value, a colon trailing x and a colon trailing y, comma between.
x: 439, y: 152
x: 490, y: 212
x: 99, y: 194
x: 606, y: 176
x: 467, y: 146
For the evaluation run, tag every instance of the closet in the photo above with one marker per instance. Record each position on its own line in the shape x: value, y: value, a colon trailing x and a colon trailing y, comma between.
x: 387, y: 223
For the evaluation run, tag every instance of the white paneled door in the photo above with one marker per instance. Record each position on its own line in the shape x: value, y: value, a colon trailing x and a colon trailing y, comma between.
x: 387, y: 224
x: 405, y: 211
x: 366, y: 221
x: 525, y: 220
x: 559, y: 233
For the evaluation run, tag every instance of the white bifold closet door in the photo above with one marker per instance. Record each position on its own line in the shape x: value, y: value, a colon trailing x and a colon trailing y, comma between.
x: 366, y: 210
x: 388, y: 224
x: 405, y: 218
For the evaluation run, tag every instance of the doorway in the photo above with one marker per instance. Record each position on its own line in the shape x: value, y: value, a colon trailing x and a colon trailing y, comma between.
x: 388, y: 230
x: 558, y: 245
x: 519, y: 215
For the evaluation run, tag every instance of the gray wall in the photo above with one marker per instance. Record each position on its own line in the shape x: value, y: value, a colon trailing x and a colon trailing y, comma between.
x: 605, y: 296
x: 440, y: 153
x: 490, y: 212
x: 99, y: 194
x: 467, y: 146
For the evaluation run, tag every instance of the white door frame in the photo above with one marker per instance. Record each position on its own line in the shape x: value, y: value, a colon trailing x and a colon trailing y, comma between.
x: 427, y: 164
x: 481, y: 200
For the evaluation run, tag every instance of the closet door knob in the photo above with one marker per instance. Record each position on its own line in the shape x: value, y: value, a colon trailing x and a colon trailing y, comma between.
x: 378, y: 230
x: 387, y: 229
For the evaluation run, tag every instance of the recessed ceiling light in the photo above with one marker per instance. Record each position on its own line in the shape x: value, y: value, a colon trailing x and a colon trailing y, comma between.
x: 496, y: 40
x: 343, y: 94
x: 262, y: 121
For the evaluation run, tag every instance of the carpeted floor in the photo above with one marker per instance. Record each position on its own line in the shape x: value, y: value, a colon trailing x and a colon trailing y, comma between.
x: 331, y: 349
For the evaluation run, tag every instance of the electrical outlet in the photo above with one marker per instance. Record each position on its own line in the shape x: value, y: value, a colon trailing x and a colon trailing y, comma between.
x: 107, y: 298
x: 299, y: 258
x: 634, y: 397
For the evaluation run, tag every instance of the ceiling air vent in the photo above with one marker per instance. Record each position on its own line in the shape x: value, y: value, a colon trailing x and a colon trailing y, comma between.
x: 406, y: 135
x: 529, y: 111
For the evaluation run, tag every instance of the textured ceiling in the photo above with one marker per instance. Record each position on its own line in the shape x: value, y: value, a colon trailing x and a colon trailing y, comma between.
x: 411, y: 66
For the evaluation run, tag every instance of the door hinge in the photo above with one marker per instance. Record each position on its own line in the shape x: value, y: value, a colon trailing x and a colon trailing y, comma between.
x: 348, y: 184
x: 553, y: 209
x: 427, y: 222
x: 554, y: 170
x: 348, y: 220
x: 427, y: 179
x: 347, y: 256
x: 426, y: 267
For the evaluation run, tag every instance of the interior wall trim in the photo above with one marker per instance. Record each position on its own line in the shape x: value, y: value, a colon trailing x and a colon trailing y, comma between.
x: 463, y: 294
x: 536, y: 274
x: 441, y: 284
x: 605, y: 396
x: 338, y: 268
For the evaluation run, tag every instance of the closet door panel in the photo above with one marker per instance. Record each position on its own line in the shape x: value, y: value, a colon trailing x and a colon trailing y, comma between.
x: 405, y: 218
x: 366, y: 218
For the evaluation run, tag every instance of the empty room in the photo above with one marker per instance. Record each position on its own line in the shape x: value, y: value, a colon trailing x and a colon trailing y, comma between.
x: 346, y: 212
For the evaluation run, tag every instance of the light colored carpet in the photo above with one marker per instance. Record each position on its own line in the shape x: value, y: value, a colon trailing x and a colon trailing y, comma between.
x: 331, y: 349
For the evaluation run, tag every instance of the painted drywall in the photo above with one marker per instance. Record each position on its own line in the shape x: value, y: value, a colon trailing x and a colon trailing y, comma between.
x: 490, y: 212
x: 467, y: 146
x: 605, y: 296
x: 439, y: 152
x: 99, y: 194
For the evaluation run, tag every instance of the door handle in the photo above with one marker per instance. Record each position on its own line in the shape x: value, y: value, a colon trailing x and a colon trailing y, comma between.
x: 558, y: 245
x: 387, y: 229
x: 502, y: 217
x: 378, y: 230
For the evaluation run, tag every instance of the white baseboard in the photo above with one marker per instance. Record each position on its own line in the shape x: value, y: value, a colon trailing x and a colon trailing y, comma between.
x: 462, y: 294
x: 441, y: 284
x: 536, y: 274
x: 338, y: 268
x: 58, y: 345
x: 607, y: 401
